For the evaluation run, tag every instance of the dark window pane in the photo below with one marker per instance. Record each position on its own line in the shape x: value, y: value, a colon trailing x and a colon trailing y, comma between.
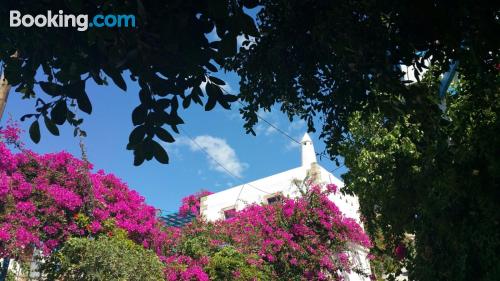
x: 274, y: 199
x: 229, y: 213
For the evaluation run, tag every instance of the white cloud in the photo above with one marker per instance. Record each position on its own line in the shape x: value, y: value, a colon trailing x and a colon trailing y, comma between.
x: 221, y: 153
x: 271, y: 130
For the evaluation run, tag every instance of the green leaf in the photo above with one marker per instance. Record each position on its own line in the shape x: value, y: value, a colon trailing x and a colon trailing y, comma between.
x: 139, y: 115
x: 196, y: 93
x: 137, y: 135
x: 51, y: 89
x: 51, y: 126
x: 250, y: 4
x: 228, y: 46
x: 175, y: 119
x: 145, y: 97
x: 159, y: 152
x: 26, y: 116
x: 210, y: 103
x: 75, y: 89
x: 186, y: 102
x: 216, y: 80
x: 213, y: 90
x: 139, y: 156
x: 215, y: 95
x: 224, y: 104
x: 84, y: 103
x: 35, y: 132
x: 164, y: 135
x: 211, y: 67
x: 148, y: 149
x: 248, y: 25
x: 59, y: 112
x: 230, y: 98
x: 117, y: 78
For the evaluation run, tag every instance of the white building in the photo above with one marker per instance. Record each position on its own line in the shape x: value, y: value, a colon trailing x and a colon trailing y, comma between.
x: 266, y: 190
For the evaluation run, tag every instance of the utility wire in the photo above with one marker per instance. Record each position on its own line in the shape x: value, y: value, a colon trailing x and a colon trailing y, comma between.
x: 343, y: 165
x: 267, y: 122
x: 278, y: 129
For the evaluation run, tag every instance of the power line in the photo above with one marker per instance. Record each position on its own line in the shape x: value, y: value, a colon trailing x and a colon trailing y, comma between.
x: 267, y: 122
x: 278, y: 129
x: 259, y: 189
x: 343, y: 165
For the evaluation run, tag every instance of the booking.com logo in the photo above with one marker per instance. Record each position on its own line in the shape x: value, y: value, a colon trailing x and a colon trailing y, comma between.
x: 80, y: 22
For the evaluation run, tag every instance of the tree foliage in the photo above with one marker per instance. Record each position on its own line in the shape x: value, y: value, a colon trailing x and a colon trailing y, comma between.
x: 167, y: 54
x: 43, y: 203
x: 314, y: 58
x: 339, y: 62
x: 434, y: 175
x: 325, y: 60
x: 105, y: 258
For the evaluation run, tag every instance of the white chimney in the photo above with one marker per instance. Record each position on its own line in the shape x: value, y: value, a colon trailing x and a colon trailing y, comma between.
x: 308, y: 153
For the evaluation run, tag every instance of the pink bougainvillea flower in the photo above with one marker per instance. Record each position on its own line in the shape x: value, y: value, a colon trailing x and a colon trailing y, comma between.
x: 400, y: 251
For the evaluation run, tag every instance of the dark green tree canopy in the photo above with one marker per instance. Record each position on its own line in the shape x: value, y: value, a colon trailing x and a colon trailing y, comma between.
x: 331, y: 58
x: 314, y: 58
x: 435, y: 178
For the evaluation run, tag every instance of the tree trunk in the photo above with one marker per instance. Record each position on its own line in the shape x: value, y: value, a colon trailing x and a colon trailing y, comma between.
x: 4, y: 94
x: 5, y: 89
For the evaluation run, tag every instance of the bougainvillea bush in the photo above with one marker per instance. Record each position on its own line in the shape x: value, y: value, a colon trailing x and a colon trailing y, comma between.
x: 191, y: 203
x: 42, y: 202
x: 305, y: 238
x: 45, y: 201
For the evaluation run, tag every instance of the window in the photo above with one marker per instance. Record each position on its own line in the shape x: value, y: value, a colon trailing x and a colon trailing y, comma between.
x: 229, y: 213
x: 273, y: 199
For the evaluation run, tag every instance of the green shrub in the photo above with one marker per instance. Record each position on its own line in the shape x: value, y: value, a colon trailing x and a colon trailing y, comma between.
x: 229, y: 264
x: 104, y: 258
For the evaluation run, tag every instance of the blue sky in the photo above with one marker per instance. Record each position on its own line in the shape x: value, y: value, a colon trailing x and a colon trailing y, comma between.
x: 220, y: 132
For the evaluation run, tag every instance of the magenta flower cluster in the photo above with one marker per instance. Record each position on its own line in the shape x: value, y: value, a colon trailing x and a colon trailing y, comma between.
x: 42, y: 203
x: 307, y: 234
x: 11, y: 133
x: 191, y: 203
